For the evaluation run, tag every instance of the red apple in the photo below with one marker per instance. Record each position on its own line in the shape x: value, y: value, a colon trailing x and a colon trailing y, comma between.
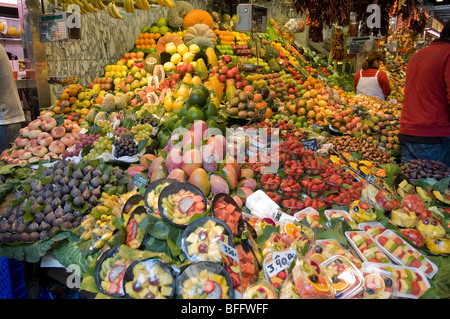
x: 227, y: 58
x: 231, y: 74
x: 222, y: 78
x: 224, y: 70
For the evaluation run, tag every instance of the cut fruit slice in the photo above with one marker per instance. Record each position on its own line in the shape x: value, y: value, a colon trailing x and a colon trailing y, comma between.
x: 186, y: 204
x: 318, y: 258
x: 115, y: 272
x: 319, y: 286
x: 374, y: 283
x: 341, y: 285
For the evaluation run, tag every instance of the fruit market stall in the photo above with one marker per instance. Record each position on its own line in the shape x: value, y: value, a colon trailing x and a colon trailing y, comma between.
x: 212, y: 163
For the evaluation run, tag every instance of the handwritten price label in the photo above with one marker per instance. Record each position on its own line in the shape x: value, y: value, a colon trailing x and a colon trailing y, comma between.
x: 229, y: 251
x: 280, y: 262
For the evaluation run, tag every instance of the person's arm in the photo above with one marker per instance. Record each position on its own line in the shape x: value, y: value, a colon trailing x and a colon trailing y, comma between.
x: 383, y: 80
x: 447, y: 79
x: 356, y: 80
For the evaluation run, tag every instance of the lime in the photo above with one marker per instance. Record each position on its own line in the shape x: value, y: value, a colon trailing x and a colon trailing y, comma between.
x: 180, y: 123
x: 197, y: 97
x: 195, y: 113
x: 212, y: 124
x: 202, y: 87
x: 162, y: 134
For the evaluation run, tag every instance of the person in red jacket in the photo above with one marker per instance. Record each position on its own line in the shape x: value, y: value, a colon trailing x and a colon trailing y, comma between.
x: 371, y: 81
x: 425, y: 119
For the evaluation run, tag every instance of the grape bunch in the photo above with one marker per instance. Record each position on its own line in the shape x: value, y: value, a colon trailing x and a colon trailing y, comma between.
x: 102, y: 145
x: 119, y: 131
x: 81, y: 142
x: 105, y: 127
x: 142, y: 132
x: 153, y: 121
x: 125, y: 147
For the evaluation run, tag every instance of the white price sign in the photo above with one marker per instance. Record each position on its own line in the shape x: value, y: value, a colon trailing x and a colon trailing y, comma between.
x: 229, y: 251
x: 280, y: 262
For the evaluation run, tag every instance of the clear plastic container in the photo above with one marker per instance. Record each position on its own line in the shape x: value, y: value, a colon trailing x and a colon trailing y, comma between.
x: 366, y: 247
x: 340, y: 213
x: 288, y: 290
x: 377, y: 283
x: 404, y: 254
x: 149, y: 279
x: 373, y: 228
x: 312, y: 216
x: 205, y: 280
x: 274, y: 277
x: 345, y: 277
x: 324, y: 249
x: 412, y: 282
x: 311, y: 282
x: 260, y: 290
x: 200, y: 240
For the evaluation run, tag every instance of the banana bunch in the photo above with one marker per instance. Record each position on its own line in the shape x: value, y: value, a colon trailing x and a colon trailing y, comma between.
x: 2, y: 27
x: 166, y: 3
x: 113, y: 12
x: 128, y: 6
x: 12, y: 31
x: 143, y: 4
x: 98, y: 4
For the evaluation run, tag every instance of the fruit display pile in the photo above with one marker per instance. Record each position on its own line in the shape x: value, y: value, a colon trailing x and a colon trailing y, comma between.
x: 204, y: 151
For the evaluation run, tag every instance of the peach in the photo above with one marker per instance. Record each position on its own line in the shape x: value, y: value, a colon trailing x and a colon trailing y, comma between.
x: 34, y: 159
x: 50, y: 155
x: 44, y: 139
x: 17, y: 153
x: 34, y: 133
x: 34, y: 142
x: 48, y: 124
x: 26, y: 155
x: 57, y: 147
x: 58, y: 132
x: 68, y: 140
x: 40, y: 151
x: 24, y: 131
x: 46, y: 114
x: 21, y: 142
x: 68, y: 125
x: 34, y: 125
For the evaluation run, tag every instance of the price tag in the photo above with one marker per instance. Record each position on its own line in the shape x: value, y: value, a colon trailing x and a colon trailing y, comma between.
x: 139, y: 181
x: 280, y: 262
x: 371, y: 179
x: 311, y: 144
x: 229, y: 251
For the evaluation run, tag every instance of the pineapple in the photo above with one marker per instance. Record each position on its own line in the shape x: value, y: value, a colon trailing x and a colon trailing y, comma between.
x: 271, y: 57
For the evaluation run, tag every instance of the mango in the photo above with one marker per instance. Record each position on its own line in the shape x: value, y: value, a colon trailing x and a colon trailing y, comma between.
x: 199, y: 178
x: 218, y: 185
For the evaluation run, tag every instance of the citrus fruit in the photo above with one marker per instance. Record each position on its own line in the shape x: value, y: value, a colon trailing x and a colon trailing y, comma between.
x: 341, y: 285
x: 197, y: 97
x: 320, y: 286
x: 195, y: 113
x: 318, y: 258
x: 211, y: 109
x: 374, y: 283
x: 163, y: 30
x: 202, y: 87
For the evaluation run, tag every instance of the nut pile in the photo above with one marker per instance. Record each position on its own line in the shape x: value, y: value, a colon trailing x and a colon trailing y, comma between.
x: 369, y: 151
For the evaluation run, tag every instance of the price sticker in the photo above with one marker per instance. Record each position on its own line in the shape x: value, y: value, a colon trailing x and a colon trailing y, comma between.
x: 229, y: 251
x: 139, y: 181
x: 310, y: 144
x: 280, y: 262
x: 371, y: 179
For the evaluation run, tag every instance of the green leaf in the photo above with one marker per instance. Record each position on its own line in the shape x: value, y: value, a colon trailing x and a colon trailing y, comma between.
x: 68, y: 253
x: 142, y: 144
x: 442, y: 185
x: 265, y: 236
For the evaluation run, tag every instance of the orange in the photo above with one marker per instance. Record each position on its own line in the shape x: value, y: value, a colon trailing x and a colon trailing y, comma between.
x: 65, y: 96
x: 141, y: 36
x: 321, y: 287
x: 341, y: 285
x: 73, y: 100
x: 318, y: 258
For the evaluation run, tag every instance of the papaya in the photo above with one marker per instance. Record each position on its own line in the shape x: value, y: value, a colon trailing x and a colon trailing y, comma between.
x: 201, y: 69
x: 212, y: 57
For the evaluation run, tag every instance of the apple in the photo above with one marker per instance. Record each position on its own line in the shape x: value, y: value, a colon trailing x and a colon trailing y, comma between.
x: 221, y: 63
x: 239, y: 77
x: 235, y: 70
x: 190, y: 68
x: 57, y: 147
x: 45, y: 139
x: 231, y: 80
x: 199, y: 127
x: 34, y: 125
x: 181, y: 68
x: 224, y: 70
x: 227, y: 58
x: 231, y: 74
x: 40, y: 151
x: 222, y: 78
x: 215, y: 69
x: 58, y: 132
